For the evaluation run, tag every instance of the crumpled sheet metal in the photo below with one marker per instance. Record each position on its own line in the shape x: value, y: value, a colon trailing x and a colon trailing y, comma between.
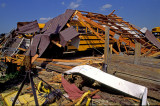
x: 56, y: 24
x: 40, y: 42
x: 152, y: 38
x: 124, y: 86
x: 67, y: 34
x: 53, y: 26
x: 30, y: 27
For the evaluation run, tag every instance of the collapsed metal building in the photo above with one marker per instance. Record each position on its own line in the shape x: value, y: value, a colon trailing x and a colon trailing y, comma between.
x: 79, y: 31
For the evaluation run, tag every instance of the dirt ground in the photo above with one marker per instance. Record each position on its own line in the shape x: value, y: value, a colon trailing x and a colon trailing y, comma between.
x: 145, y: 73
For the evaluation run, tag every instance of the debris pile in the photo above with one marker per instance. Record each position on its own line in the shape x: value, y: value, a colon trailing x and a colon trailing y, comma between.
x: 50, y: 70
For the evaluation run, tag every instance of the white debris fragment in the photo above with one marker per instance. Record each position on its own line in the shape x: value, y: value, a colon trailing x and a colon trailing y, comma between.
x: 124, y: 86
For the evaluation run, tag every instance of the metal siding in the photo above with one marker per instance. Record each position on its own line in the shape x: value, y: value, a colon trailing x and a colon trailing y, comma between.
x: 40, y: 43
x: 67, y: 35
x: 29, y: 28
x: 53, y: 26
x: 152, y: 38
x: 56, y: 24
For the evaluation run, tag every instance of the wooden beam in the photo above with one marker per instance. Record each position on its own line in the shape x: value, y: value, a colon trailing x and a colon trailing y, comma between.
x: 126, y: 49
x: 34, y: 58
x: 59, y: 60
x: 68, y: 25
x: 128, y: 42
x: 62, y: 66
x: 114, y: 18
x: 54, y: 42
x: 137, y: 53
x: 22, y: 49
x: 147, y: 53
x: 89, y: 27
x: 133, y: 27
x: 112, y: 12
x: 118, y: 45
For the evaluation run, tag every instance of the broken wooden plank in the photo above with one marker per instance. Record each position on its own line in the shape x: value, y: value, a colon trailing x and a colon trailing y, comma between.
x: 58, y: 60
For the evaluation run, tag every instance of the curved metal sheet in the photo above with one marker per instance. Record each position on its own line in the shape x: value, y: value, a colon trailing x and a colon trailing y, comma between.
x: 114, y: 82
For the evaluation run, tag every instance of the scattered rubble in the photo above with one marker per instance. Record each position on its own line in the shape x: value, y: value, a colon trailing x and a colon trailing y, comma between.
x: 45, y: 66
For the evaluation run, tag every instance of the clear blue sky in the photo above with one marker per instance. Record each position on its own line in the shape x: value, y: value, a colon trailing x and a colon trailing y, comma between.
x: 142, y: 13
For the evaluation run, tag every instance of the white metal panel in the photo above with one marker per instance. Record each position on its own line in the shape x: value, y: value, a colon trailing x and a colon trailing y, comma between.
x: 124, y: 86
x: 143, y: 30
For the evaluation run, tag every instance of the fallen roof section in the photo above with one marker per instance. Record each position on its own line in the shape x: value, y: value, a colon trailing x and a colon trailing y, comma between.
x: 112, y: 81
x: 51, y: 28
x: 29, y: 27
x: 56, y: 24
x: 122, y: 33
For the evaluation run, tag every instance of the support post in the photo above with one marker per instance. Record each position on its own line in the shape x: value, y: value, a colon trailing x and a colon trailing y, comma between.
x: 111, y: 48
x: 137, y: 53
x: 106, y: 49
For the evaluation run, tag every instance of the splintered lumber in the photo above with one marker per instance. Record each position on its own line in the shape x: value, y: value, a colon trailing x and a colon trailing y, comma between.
x: 81, y: 19
x: 59, y: 60
x: 63, y: 66
x: 54, y: 42
x: 143, y: 75
x: 85, y: 58
x: 52, y: 66
x: 59, y: 65
x: 34, y: 58
x: 156, y: 54
x: 22, y: 49
x: 119, y: 28
x: 116, y: 99
x: 149, y: 83
x: 147, y: 61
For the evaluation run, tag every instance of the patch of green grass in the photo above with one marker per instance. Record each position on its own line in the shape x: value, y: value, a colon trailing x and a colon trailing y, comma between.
x: 9, y: 76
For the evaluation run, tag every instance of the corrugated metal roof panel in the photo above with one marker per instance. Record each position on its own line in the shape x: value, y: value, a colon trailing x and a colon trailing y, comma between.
x: 67, y: 34
x: 53, y: 26
x: 152, y: 38
x: 56, y: 24
x: 29, y: 28
x: 40, y: 43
